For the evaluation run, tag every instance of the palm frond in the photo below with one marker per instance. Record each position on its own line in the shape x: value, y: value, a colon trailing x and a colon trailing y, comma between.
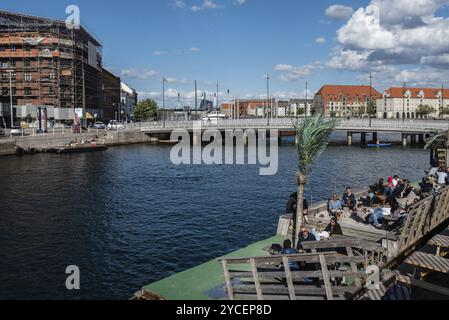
x: 313, y: 134
x: 437, y: 136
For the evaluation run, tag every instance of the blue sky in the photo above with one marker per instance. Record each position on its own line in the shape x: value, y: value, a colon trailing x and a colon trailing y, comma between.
x: 234, y: 43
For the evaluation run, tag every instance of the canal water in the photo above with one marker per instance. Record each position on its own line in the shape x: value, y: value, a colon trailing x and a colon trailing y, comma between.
x: 128, y: 217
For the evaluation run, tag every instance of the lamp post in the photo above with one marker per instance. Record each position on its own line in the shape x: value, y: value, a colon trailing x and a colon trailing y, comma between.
x: 11, y: 97
x: 268, y: 98
x: 370, y: 98
x: 163, y: 98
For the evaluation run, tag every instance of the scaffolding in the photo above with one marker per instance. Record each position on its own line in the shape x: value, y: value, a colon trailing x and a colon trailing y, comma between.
x: 49, y: 64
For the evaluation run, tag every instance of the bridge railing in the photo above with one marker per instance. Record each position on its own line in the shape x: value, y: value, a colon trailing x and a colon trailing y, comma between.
x: 287, y: 123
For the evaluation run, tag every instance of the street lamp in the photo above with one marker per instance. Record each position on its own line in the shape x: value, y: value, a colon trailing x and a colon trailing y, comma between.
x: 370, y: 98
x: 268, y: 98
x: 11, y: 97
x: 163, y: 98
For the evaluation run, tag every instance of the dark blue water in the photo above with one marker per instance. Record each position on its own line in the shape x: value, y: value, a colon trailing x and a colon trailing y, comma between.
x: 128, y: 217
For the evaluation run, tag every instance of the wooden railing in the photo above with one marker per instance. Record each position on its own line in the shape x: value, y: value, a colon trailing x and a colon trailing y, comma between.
x: 270, y: 277
x: 423, y: 217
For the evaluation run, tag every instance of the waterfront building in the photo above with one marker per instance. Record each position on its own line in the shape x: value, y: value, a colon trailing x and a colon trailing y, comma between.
x: 48, y: 64
x: 244, y: 108
x: 128, y: 100
x: 344, y: 100
x: 403, y: 103
x: 298, y: 107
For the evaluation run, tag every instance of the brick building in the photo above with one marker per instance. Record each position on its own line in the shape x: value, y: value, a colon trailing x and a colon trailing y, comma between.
x: 47, y: 64
x: 344, y: 100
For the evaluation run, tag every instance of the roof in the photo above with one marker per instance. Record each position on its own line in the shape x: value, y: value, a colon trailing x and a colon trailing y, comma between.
x: 127, y: 88
x: 4, y: 15
x: 352, y: 93
x: 415, y: 93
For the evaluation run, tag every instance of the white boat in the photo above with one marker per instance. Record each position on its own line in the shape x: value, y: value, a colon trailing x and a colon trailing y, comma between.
x: 213, y: 117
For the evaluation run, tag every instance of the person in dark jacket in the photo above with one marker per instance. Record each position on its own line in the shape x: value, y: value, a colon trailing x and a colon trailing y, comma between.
x: 349, y: 199
x: 288, y: 250
x: 304, y: 236
x: 334, y: 228
x: 292, y: 206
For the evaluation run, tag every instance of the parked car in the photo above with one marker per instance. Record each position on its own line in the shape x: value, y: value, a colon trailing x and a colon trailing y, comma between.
x: 16, y: 131
x: 115, y: 125
x: 99, y: 125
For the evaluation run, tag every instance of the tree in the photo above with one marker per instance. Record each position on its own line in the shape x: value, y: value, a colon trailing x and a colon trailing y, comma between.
x: 146, y: 110
x: 444, y: 112
x: 372, y: 108
x: 424, y: 111
x: 313, y: 135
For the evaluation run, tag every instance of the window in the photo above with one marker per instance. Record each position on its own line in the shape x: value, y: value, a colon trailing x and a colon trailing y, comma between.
x: 5, y: 92
x: 4, y: 75
x: 52, y: 91
x: 28, y: 91
x: 13, y: 63
x: 5, y: 64
x: 28, y: 77
x: 51, y: 76
x: 27, y: 63
x: 27, y: 48
x: 2, y: 48
x: 13, y: 48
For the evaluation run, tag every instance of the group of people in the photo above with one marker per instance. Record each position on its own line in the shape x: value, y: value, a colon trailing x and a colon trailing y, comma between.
x: 384, y: 198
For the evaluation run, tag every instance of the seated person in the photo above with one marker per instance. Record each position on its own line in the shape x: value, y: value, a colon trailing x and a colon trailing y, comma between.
x: 442, y: 177
x: 349, y: 199
x: 334, y: 228
x: 379, y: 198
x: 288, y: 250
x: 304, y: 236
x: 362, y: 213
x: 335, y: 206
x: 376, y: 217
x: 380, y: 186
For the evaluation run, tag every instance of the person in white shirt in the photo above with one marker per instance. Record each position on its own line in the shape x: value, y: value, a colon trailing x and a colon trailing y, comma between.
x: 442, y: 177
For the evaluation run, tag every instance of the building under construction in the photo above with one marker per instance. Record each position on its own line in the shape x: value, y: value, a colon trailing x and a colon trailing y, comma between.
x: 43, y: 63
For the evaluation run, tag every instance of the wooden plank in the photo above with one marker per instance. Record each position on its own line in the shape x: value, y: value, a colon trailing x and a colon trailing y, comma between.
x: 440, y: 241
x: 308, y: 258
x: 256, y: 279
x: 428, y: 262
x: 326, y: 278
x: 353, y: 266
x: 298, y: 275
x: 304, y: 290
x: 228, y: 280
x: 331, y: 244
x: 288, y: 276
x: 423, y: 285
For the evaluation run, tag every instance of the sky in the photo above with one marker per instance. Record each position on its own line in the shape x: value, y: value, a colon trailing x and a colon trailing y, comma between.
x: 236, y: 43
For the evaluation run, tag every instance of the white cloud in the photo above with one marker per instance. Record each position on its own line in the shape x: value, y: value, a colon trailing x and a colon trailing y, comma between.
x: 291, y: 73
x: 339, y: 12
x: 138, y: 74
x: 320, y: 40
x: 194, y: 49
x: 206, y: 5
x: 180, y: 4
x: 160, y: 53
x: 240, y: 2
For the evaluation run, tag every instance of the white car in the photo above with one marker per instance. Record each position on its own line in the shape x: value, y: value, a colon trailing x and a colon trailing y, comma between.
x: 16, y: 131
x: 115, y: 125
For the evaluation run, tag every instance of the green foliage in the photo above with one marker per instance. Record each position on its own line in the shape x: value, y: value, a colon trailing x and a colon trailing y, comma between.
x: 444, y: 112
x: 424, y: 110
x: 313, y: 134
x: 146, y: 110
x: 437, y: 137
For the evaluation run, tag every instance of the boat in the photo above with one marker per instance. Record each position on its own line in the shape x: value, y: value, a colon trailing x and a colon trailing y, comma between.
x: 81, y: 147
x: 380, y: 145
x: 213, y: 117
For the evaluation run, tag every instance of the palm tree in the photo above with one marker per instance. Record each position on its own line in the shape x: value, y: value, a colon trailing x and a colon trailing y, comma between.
x: 313, y: 136
x: 437, y: 137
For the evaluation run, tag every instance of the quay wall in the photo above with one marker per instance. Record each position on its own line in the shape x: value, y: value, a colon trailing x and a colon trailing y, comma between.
x: 7, y: 147
x: 47, y: 141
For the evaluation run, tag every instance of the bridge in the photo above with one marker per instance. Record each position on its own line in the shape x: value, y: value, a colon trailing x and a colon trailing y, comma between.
x: 411, y: 130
